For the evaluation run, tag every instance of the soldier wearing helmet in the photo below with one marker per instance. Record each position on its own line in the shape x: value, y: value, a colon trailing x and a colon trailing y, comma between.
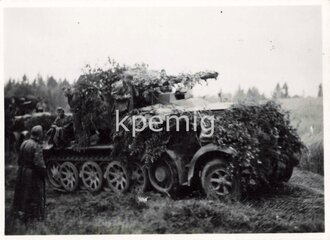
x: 29, y: 197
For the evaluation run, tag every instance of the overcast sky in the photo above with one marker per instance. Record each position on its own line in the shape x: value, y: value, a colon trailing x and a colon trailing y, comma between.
x: 248, y: 46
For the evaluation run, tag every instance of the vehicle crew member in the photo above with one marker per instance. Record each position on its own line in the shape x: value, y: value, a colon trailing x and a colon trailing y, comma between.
x: 62, y: 119
x: 59, y: 131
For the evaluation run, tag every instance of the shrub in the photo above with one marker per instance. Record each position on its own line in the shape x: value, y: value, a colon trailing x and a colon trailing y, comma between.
x: 266, y: 144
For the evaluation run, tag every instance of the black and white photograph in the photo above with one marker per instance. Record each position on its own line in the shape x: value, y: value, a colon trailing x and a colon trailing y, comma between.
x: 139, y: 119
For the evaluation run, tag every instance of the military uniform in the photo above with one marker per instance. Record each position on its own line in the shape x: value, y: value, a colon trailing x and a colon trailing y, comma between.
x: 62, y: 131
x: 123, y: 95
x: 74, y: 103
x: 29, y: 197
x: 62, y: 121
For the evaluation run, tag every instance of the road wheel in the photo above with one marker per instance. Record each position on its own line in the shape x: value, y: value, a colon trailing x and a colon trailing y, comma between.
x: 163, y: 176
x: 117, y: 177
x: 139, y: 177
x: 216, y: 179
x: 92, y: 176
x: 69, y: 176
x: 53, y: 174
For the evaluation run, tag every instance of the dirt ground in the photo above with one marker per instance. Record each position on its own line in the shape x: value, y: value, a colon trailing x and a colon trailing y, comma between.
x: 297, y: 206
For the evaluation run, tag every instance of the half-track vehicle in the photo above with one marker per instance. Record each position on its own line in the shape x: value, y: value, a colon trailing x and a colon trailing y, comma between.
x: 202, y: 164
x: 190, y: 160
x: 93, y: 167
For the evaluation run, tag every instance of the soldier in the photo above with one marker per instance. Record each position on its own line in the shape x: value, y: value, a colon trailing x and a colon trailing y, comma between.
x: 85, y: 130
x: 59, y: 130
x: 29, y: 197
x: 123, y: 93
x: 62, y: 119
x: 77, y: 114
x: 41, y: 105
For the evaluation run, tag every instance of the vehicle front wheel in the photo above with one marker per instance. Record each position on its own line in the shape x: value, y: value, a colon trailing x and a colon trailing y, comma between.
x: 216, y: 179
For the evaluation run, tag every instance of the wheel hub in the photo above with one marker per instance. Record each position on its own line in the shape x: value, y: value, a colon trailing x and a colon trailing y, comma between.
x: 69, y: 176
x: 160, y: 174
x: 220, y: 184
x: 119, y: 177
x: 91, y: 176
x: 116, y: 175
x: 55, y: 172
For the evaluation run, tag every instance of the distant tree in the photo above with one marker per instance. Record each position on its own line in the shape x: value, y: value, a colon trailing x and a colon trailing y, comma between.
x: 9, y: 86
x: 64, y: 83
x: 35, y: 85
x: 253, y: 95
x: 25, y: 80
x: 277, y: 93
x: 239, y: 95
x: 40, y: 81
x: 320, y: 93
x: 22, y: 88
x: 51, y: 82
x: 285, y: 91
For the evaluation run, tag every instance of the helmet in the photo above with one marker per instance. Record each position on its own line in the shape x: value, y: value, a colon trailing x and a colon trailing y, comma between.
x: 59, y: 109
x: 36, y: 132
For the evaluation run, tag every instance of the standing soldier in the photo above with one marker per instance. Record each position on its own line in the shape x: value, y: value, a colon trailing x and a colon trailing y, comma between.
x: 77, y: 114
x: 83, y: 122
x: 123, y: 93
x: 29, y: 197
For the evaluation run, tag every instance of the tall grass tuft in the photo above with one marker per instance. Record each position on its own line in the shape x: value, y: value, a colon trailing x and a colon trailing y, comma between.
x: 313, y: 157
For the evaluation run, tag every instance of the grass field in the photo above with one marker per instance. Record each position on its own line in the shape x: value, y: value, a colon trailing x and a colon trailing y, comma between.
x: 306, y: 116
x: 296, y: 206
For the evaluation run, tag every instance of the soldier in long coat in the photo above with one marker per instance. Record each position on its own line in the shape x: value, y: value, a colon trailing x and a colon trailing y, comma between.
x: 29, y: 197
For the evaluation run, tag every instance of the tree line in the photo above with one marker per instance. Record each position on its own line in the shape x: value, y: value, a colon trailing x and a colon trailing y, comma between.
x: 253, y: 94
x: 47, y: 92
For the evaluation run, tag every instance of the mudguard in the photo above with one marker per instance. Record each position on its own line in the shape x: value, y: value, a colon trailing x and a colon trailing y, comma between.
x: 177, y: 161
x: 209, y: 148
